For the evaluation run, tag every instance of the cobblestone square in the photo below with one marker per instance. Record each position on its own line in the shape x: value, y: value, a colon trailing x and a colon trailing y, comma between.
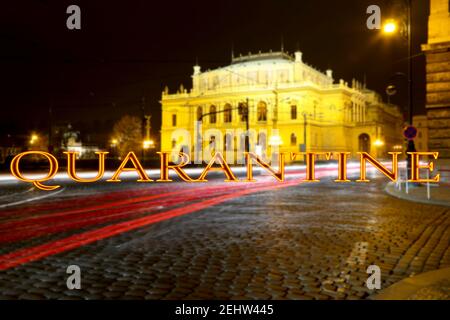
x: 299, y: 242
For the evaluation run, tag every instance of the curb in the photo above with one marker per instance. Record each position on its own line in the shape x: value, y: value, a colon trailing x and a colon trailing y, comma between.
x: 389, y: 189
x: 432, y: 285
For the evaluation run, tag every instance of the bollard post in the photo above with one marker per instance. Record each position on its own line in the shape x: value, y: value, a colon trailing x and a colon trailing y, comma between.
x: 406, y: 184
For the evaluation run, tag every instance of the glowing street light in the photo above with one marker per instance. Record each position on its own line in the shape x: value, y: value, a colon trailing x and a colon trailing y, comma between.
x: 275, y: 140
x: 34, y: 138
x: 148, y: 144
x: 378, y: 143
x: 390, y: 27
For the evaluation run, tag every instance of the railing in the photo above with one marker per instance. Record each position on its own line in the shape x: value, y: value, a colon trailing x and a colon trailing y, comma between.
x: 444, y: 180
x: 249, y: 87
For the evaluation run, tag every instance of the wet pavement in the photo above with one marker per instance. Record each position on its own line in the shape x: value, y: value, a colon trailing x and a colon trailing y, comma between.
x: 301, y: 241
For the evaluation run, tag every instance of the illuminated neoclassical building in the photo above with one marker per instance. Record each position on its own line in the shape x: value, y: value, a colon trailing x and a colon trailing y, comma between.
x: 291, y: 107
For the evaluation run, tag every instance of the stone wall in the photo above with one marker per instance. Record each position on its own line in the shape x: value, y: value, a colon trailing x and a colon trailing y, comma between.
x: 438, y: 98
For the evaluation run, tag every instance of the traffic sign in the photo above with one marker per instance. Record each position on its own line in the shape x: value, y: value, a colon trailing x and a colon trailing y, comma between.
x: 410, y: 132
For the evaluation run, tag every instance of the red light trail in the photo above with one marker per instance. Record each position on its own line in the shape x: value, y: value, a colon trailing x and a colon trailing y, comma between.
x: 125, y: 213
x: 25, y: 255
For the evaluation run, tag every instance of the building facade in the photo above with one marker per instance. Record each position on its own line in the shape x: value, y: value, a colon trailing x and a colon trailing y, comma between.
x: 291, y: 107
x: 438, y: 77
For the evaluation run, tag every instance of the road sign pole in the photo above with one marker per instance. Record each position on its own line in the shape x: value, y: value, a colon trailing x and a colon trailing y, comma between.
x: 409, y: 132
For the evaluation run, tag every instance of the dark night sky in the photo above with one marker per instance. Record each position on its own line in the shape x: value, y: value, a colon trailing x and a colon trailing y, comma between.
x: 130, y: 49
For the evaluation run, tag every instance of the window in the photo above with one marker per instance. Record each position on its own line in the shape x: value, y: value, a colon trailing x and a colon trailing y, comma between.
x: 174, y: 143
x: 242, y: 111
x: 212, y: 141
x: 420, y: 135
x: 293, y: 139
x: 227, y: 116
x: 212, y: 114
x: 199, y: 114
x: 262, y: 111
x: 174, y: 120
x: 293, y: 112
x: 352, y: 112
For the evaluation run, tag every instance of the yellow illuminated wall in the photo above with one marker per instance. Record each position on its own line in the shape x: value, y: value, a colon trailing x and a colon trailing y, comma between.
x: 282, y: 93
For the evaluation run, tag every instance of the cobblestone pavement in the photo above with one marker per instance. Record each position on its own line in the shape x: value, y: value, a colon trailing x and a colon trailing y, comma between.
x: 303, y: 242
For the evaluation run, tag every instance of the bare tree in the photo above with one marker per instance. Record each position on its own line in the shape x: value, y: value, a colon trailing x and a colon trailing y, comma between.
x: 128, y: 133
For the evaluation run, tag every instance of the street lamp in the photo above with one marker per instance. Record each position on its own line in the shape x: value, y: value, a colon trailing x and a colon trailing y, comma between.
x: 378, y: 143
x: 114, y: 143
x: 34, y: 138
x: 147, y: 144
x: 275, y: 140
x: 389, y: 28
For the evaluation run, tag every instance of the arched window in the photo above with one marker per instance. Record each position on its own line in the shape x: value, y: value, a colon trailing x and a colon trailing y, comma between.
x: 364, y: 142
x: 199, y: 114
x: 293, y: 139
x: 227, y: 113
x: 262, y: 111
x: 212, y: 114
x: 293, y: 112
x: 212, y: 141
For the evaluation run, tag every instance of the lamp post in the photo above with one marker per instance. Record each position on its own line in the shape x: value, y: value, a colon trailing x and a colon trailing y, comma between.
x: 247, y: 125
x: 390, y: 27
x: 114, y: 143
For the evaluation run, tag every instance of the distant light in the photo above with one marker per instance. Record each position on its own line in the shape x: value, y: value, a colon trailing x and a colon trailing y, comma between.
x: 34, y: 138
x: 390, y: 27
x: 378, y: 143
x: 148, y: 144
x: 78, y: 149
x: 275, y: 141
x: 114, y: 141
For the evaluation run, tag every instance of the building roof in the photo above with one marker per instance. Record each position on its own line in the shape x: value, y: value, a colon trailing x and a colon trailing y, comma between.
x: 273, y: 56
